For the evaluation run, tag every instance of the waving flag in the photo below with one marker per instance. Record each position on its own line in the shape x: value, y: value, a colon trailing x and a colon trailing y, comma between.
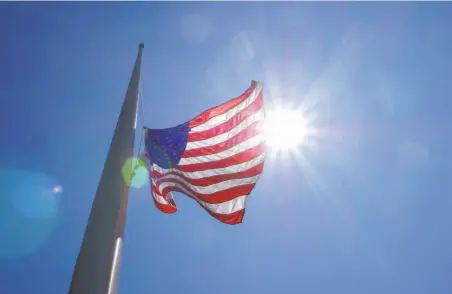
x: 215, y: 158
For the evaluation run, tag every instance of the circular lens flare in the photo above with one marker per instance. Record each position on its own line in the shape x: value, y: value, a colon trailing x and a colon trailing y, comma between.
x: 284, y: 128
x: 57, y: 189
x: 134, y: 172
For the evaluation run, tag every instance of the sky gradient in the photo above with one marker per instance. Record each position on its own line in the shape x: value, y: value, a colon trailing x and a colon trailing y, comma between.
x: 363, y: 207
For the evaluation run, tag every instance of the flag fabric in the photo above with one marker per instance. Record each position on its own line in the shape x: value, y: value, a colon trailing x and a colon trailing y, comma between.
x: 215, y: 159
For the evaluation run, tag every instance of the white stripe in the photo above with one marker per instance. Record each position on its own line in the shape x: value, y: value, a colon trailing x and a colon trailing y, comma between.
x: 216, y: 120
x: 160, y: 199
x: 208, y: 190
x: 255, y: 117
x: 217, y: 171
x: 241, y: 147
x: 215, y: 185
x: 227, y: 207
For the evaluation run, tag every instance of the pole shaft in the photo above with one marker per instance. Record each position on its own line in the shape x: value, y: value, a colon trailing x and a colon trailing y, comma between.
x: 98, y: 263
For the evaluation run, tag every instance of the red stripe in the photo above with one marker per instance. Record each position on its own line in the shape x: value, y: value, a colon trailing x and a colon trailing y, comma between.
x: 234, y: 218
x: 156, y: 191
x: 249, y: 132
x: 203, y: 182
x: 164, y: 207
x: 238, y: 158
x: 207, y: 115
x: 214, y: 198
x: 230, y: 219
x: 230, y: 124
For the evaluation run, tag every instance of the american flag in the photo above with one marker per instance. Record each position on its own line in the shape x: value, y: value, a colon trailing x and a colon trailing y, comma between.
x: 215, y: 159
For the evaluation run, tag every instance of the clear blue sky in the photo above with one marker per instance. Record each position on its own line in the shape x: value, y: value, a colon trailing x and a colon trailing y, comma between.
x: 368, y: 211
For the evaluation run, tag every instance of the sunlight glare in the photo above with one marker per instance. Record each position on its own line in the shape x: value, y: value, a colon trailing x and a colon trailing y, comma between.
x: 285, y: 129
x: 57, y: 189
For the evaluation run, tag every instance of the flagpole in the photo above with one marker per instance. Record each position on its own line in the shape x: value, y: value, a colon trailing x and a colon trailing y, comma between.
x: 99, y: 260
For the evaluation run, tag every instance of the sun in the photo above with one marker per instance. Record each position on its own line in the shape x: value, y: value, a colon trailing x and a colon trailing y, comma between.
x: 285, y: 129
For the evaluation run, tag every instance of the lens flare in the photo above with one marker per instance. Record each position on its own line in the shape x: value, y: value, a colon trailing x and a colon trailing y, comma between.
x: 57, y: 189
x: 134, y: 173
x: 29, y: 211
